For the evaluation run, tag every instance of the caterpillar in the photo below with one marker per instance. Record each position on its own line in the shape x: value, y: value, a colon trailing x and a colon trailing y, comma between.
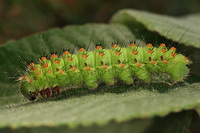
x: 101, y: 65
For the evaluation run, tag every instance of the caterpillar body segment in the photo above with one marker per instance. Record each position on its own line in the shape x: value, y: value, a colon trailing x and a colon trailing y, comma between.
x: 101, y: 65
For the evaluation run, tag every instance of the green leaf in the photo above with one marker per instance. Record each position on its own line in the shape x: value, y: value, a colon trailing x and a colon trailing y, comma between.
x: 173, y: 123
x: 100, y: 107
x: 198, y: 110
x: 185, y: 29
x: 194, y: 124
x: 80, y: 106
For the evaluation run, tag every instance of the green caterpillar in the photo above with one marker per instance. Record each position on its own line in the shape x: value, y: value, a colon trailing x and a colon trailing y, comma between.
x: 104, y: 65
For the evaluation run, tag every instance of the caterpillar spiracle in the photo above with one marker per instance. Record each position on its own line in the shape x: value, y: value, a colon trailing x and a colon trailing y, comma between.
x: 101, y: 65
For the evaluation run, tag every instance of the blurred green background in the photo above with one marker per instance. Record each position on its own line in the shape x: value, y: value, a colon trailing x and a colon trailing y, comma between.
x: 19, y: 18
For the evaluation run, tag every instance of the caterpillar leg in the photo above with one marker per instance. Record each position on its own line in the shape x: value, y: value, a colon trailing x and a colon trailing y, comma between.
x: 55, y: 90
x: 178, y: 71
x: 45, y: 92
x: 126, y: 77
x: 108, y: 78
x: 91, y: 82
x: 42, y: 93
x: 143, y: 74
x: 48, y: 92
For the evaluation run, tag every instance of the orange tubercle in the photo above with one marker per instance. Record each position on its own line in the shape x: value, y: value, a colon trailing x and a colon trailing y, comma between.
x: 132, y: 45
x: 150, y: 51
x: 134, y: 52
x: 190, y: 62
x: 149, y: 45
x: 45, y: 65
x: 88, y: 68
x: 139, y: 64
x: 74, y: 68
x: 43, y: 58
x: 153, y: 62
x: 163, y: 50
x: 31, y: 80
x: 66, y: 52
x: 100, y: 54
x: 49, y: 71
x: 115, y: 46
x: 84, y: 56
x: 185, y: 58
x: 173, y: 48
x: 165, y: 61
x: 173, y: 54
x: 57, y: 61
x: 61, y: 71
x: 31, y: 64
x: 98, y: 47
x: 53, y: 55
x: 81, y: 49
x: 105, y: 66
x: 69, y: 59
x: 34, y: 68
x: 117, y: 53
x: 23, y: 78
x: 162, y: 45
x: 122, y: 65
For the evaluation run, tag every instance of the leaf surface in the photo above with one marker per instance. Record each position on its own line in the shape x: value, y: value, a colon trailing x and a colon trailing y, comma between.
x: 185, y: 29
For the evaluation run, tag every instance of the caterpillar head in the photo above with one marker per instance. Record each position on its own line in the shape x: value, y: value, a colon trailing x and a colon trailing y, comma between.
x: 29, y: 91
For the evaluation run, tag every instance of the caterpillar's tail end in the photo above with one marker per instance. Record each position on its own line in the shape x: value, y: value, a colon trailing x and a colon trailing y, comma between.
x: 55, y: 90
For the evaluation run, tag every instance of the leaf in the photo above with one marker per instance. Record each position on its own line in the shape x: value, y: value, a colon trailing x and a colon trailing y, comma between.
x: 80, y: 106
x: 186, y: 29
x: 198, y: 110
x: 75, y: 109
x: 194, y: 125
x: 173, y: 123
